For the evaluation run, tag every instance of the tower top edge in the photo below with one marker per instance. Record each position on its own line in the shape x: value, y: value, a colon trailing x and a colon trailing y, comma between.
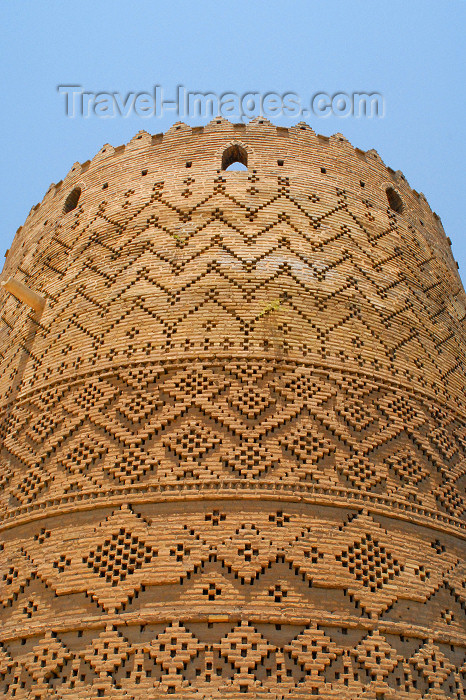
x: 221, y: 131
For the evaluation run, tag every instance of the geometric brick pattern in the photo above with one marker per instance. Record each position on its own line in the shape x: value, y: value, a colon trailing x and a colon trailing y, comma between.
x: 233, y: 445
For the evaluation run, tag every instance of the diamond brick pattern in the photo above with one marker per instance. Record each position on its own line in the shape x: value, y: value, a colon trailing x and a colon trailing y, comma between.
x: 233, y: 444
x: 119, y: 556
x: 370, y: 562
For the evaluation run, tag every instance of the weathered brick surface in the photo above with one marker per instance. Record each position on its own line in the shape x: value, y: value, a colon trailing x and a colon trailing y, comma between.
x: 233, y: 457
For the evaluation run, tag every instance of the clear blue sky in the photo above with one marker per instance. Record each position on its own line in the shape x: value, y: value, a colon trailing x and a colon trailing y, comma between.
x: 411, y: 51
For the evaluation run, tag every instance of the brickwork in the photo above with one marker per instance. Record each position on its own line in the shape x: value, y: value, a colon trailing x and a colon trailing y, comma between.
x: 233, y: 449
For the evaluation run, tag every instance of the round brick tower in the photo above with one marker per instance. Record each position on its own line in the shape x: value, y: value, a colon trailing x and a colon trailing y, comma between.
x: 233, y: 427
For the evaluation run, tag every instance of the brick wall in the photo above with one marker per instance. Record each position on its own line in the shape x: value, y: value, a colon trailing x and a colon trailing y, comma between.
x: 233, y: 443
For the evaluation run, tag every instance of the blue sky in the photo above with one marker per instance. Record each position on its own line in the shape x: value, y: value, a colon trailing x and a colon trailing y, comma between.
x: 410, y: 51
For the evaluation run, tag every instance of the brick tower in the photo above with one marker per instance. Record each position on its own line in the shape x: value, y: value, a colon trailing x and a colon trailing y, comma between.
x: 233, y: 428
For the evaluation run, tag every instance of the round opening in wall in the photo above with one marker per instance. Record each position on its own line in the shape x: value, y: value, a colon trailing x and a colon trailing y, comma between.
x: 72, y: 200
x: 394, y: 200
x: 235, y: 158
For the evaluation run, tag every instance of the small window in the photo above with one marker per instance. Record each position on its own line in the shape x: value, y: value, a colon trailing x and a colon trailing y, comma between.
x: 235, y: 158
x: 323, y: 170
x: 280, y: 162
x: 394, y: 200
x: 72, y: 200
x: 144, y: 172
x: 189, y: 163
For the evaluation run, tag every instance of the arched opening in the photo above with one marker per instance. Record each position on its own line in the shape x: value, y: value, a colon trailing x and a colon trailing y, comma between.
x: 235, y: 158
x: 394, y: 200
x: 72, y: 200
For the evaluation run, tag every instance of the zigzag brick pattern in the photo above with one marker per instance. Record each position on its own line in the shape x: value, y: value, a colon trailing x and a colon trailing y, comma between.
x: 233, y: 450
